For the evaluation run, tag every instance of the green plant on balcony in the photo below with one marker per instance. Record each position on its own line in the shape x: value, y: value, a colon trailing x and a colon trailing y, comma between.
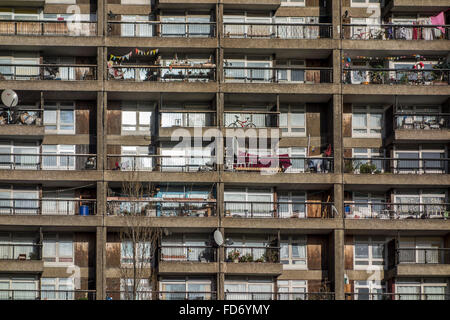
x: 261, y: 259
x: 368, y: 168
x: 234, y: 255
x: 377, y: 77
x: 271, y: 255
x: 404, y: 79
x: 348, y: 166
x: 246, y: 258
x: 34, y: 256
x: 438, y: 75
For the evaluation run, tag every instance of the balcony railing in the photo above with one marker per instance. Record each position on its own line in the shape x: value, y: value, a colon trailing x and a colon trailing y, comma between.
x: 394, y: 32
x: 284, y: 164
x: 252, y: 254
x: 48, y: 28
x: 187, y: 73
x: 41, y: 161
x: 63, y: 72
x: 422, y: 121
x: 162, y: 207
x: 191, y: 119
x: 233, y: 119
x: 279, y: 295
x: 396, y: 165
x: 188, y: 253
x: 150, y: 29
x: 287, y: 209
x: 16, y: 294
x: 21, y: 117
x: 382, y: 210
x: 426, y: 77
x: 423, y: 255
x: 291, y: 75
x: 20, y: 251
x: 277, y: 30
x: 47, y: 206
x: 396, y: 296
x: 161, y: 163
x: 160, y: 295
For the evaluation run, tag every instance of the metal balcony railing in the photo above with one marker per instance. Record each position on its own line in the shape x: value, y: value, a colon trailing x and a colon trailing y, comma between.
x: 162, y: 207
x: 263, y: 254
x: 188, y: 253
x: 421, y: 121
x: 20, y: 251
x: 187, y: 73
x: 63, y: 72
x: 23, y: 294
x: 396, y: 165
x: 43, y: 161
x: 279, y: 295
x: 277, y: 30
x: 21, y: 116
x: 395, y: 32
x: 161, y: 163
x: 149, y: 29
x: 47, y: 206
x: 280, y: 209
x: 233, y: 119
x: 426, y: 77
x: 170, y: 119
x: 382, y: 210
x: 160, y: 295
x: 396, y: 296
x: 423, y: 255
x: 48, y: 28
x: 292, y: 75
x: 284, y: 164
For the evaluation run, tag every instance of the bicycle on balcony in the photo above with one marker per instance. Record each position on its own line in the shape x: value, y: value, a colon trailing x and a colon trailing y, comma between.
x: 242, y: 124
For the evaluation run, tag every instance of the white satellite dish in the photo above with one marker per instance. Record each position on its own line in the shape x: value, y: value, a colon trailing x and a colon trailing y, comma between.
x: 218, y: 238
x: 10, y: 98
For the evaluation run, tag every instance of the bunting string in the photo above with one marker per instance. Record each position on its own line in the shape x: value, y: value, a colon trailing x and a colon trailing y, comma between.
x: 136, y: 51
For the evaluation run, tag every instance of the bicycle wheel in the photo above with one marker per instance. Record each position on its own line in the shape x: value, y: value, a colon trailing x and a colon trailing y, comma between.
x: 250, y: 125
x: 233, y: 125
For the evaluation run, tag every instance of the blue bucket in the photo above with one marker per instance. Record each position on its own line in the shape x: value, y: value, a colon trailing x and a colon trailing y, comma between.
x: 84, y: 210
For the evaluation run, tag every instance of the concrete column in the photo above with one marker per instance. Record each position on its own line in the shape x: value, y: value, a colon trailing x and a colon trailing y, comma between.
x: 337, y: 134
x: 101, y: 197
x: 338, y: 263
x: 100, y: 269
x: 219, y: 199
x: 221, y: 274
x: 100, y: 134
x: 336, y: 19
x: 338, y: 197
x: 101, y: 17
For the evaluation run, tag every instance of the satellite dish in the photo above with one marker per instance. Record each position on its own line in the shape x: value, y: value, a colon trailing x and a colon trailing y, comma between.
x: 218, y: 238
x: 10, y: 98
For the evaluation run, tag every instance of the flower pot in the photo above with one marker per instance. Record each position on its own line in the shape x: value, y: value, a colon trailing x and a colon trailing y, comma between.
x: 236, y: 260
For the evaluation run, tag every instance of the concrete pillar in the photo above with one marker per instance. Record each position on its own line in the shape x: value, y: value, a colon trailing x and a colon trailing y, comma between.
x: 101, y: 197
x: 338, y: 198
x: 336, y: 19
x: 338, y: 264
x: 338, y: 149
x: 100, y: 269
x: 101, y: 96
x: 101, y: 17
x: 221, y: 274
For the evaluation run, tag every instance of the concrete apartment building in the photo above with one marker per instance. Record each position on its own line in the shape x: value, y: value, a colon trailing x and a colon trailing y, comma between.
x: 357, y: 207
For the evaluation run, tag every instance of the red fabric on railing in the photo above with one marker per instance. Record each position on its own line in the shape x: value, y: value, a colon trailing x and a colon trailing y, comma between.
x: 255, y: 161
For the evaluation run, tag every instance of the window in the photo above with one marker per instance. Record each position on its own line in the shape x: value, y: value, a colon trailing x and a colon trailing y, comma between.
x: 136, y: 163
x: 251, y: 245
x: 297, y: 156
x: 248, y: 69
x: 143, y: 289
x: 58, y: 203
x: 19, y: 201
x: 363, y: 153
x: 421, y: 255
x: 58, y: 247
x: 136, y: 118
x: 57, y: 288
x: 137, y: 27
x: 180, y: 118
x: 248, y: 289
x: 249, y: 203
x: 369, y: 290
x: 186, y: 158
x: 292, y: 204
x: 365, y: 3
x: 366, y: 28
x: 288, y: 71
x: 421, y: 203
x: 297, y: 3
x: 18, y: 287
x: 13, y: 245
x: 292, y: 289
x: 292, y: 120
x: 142, y: 252
x: 421, y: 289
x: 199, y: 28
x: 60, y: 73
x: 188, y: 288
x: 419, y: 117
x: 427, y: 77
x: 367, y: 121
x: 367, y: 205
x: 293, y: 252
x: 428, y: 160
x: 247, y: 25
x: 58, y: 162
x: 369, y: 252
x: 186, y: 247
x: 59, y: 118
x: 20, y: 72
x: 19, y: 156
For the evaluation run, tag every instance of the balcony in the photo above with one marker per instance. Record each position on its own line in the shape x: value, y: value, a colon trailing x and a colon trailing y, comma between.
x: 395, y: 296
x: 26, y: 123
x: 40, y: 161
x: 245, y: 162
x: 279, y: 75
x: 279, y: 295
x: 280, y: 210
x: 48, y: 28
x: 253, y: 119
x: 158, y: 29
x: 47, y: 206
x: 61, y: 72
x: 261, y: 254
x: 158, y: 163
x: 423, y: 255
x: 14, y: 294
x: 394, y: 32
x: 397, y: 165
x: 177, y: 259
x: 382, y: 76
x: 152, y: 73
x: 161, y: 295
x: 277, y: 31
x: 192, y: 120
x: 422, y: 126
x: 20, y: 252
x: 383, y: 210
x: 422, y: 6
x: 159, y: 207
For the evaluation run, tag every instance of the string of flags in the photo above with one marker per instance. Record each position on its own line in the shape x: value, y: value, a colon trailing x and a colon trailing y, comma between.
x: 136, y: 51
x: 346, y: 60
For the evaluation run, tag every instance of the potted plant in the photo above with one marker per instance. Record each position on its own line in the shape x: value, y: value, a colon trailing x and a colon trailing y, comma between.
x: 246, y: 258
x: 368, y: 168
x: 377, y: 77
x: 349, y: 166
x: 440, y: 77
x: 234, y: 256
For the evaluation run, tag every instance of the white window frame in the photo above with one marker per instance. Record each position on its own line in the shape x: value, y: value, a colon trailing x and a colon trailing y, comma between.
x: 410, y: 114
x: 61, y: 149
x: 138, y: 163
x: 244, y: 74
x: 362, y: 205
x: 187, y: 282
x: 421, y: 285
x: 33, y: 149
x: 370, y: 259
x: 366, y: 3
x: 133, y: 29
x: 300, y: 240
x: 6, y: 282
x: 421, y: 243
x: 33, y: 210
x: 292, y: 289
x: 368, y: 111
x: 58, y: 107
x: 62, y: 207
x: 421, y: 195
x: 289, y: 205
x: 139, y: 109
x: 293, y: 3
x: 59, y: 292
x: 420, y: 151
x: 185, y: 158
x: 128, y: 261
x: 287, y: 75
x: 374, y: 288
x: 288, y: 130
x: 248, y: 194
x: 143, y: 292
x: 366, y: 153
x: 246, y: 294
x: 58, y: 259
